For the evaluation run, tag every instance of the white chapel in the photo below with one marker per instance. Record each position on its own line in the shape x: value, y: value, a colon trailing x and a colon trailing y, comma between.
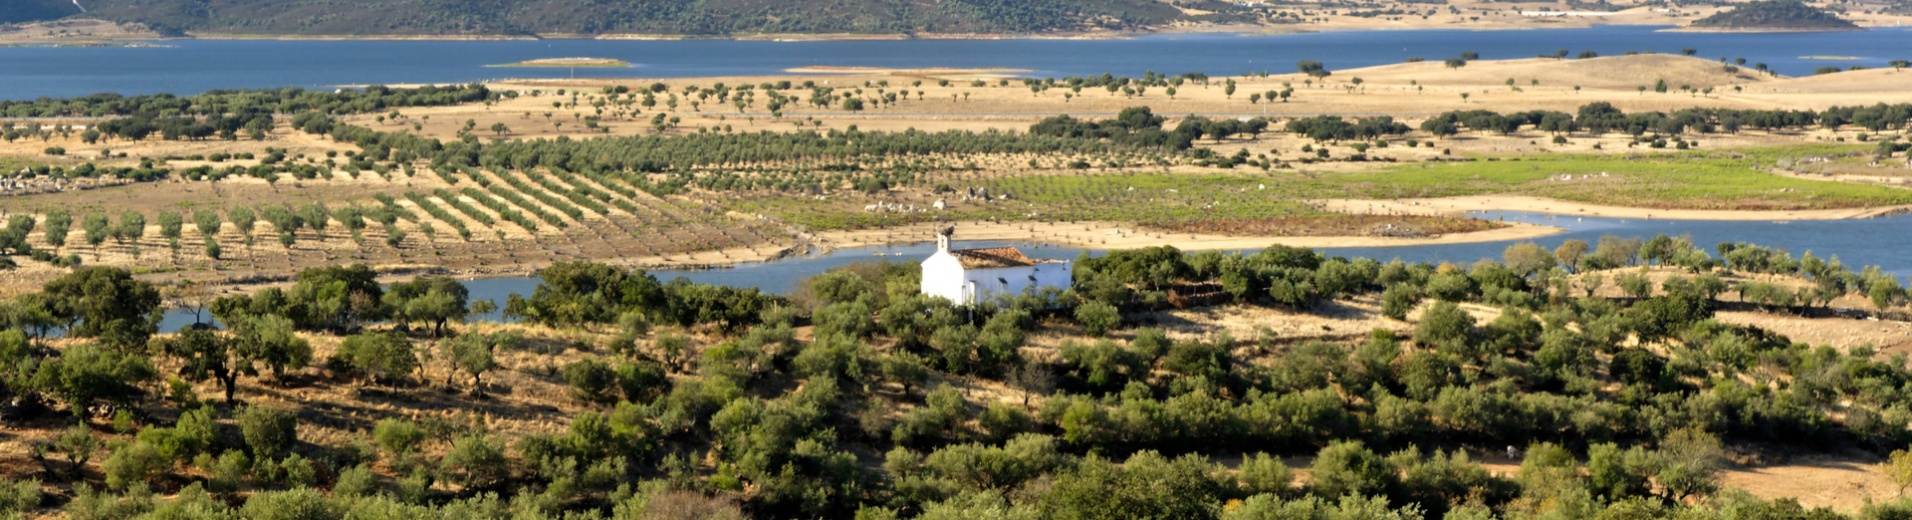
x: 969, y: 276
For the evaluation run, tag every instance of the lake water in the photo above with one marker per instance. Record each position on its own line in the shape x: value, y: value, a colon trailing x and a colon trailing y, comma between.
x: 1857, y: 243
x: 192, y: 66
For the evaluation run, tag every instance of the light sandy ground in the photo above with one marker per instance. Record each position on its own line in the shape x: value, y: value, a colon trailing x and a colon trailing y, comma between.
x: 1841, y: 482
x: 1844, y: 483
x: 72, y: 31
x: 569, y: 62
x: 1449, y: 205
x: 1407, y: 91
x: 1888, y: 337
x: 906, y: 72
x: 1114, y: 235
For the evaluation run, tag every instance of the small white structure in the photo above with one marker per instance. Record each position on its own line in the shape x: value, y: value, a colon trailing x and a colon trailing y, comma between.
x: 969, y: 276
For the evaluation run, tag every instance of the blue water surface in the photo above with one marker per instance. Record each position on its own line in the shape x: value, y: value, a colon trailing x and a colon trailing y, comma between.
x: 192, y: 66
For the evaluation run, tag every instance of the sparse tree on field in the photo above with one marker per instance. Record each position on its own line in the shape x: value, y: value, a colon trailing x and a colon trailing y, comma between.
x: 208, y: 355
x: 1033, y: 378
x: 58, y: 223
x: 905, y: 369
x: 191, y: 296
x: 315, y: 216
x: 1312, y: 68
x: 76, y: 444
x: 387, y: 357
x: 14, y: 237
x: 1570, y: 252
x: 132, y: 226
x: 244, y: 219
x: 206, y: 222
x: 270, y: 339
x: 97, y: 229
x: 1591, y: 282
x: 1528, y: 259
x: 1691, y: 460
x: 474, y: 353
x: 1899, y: 467
x: 171, y: 224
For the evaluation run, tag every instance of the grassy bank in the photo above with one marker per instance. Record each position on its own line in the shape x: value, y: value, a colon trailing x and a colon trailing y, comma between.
x: 1727, y: 180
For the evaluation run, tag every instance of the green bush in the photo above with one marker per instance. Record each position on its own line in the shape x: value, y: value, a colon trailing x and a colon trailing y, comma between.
x: 270, y: 432
x: 476, y: 461
x: 1398, y: 299
x: 590, y: 379
x: 397, y: 437
x: 1349, y: 468
x: 134, y: 464
x: 296, y: 504
x: 356, y: 481
x: 19, y: 496
x: 385, y: 356
x: 1098, y: 318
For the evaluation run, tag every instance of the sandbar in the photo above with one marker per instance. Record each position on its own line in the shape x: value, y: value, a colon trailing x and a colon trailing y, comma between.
x: 564, y: 63
x: 828, y: 69
x: 1115, y: 235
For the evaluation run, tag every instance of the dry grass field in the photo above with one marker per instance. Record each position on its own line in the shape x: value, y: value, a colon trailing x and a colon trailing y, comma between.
x: 404, y: 218
x: 701, y: 226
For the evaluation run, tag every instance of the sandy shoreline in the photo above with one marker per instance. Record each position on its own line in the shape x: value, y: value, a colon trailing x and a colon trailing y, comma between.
x: 561, y: 63
x: 831, y: 69
x: 1450, y: 205
x: 1112, y: 235
x: 1084, y: 235
x: 1775, y: 30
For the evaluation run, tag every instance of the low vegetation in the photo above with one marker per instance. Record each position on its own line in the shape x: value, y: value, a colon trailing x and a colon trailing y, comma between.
x: 859, y: 397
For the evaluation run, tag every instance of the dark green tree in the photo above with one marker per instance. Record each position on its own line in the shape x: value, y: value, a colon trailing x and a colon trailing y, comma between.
x: 106, y: 303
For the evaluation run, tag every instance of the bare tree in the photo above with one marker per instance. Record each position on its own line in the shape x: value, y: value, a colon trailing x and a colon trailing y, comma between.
x: 1033, y: 377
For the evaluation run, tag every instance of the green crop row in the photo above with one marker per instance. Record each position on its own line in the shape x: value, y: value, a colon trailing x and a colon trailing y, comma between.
x: 504, y: 212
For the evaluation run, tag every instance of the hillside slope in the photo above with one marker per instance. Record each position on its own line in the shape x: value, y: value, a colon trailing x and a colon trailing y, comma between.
x: 688, y: 17
x: 18, y: 11
x: 1615, y: 72
x: 1776, y: 15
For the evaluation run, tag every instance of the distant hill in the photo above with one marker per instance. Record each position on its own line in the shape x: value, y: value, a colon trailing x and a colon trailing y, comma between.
x: 685, y: 17
x: 20, y: 11
x: 1790, y: 15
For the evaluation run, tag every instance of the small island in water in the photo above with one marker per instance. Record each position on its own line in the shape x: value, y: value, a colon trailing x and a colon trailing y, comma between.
x: 1774, y: 15
x: 566, y: 63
